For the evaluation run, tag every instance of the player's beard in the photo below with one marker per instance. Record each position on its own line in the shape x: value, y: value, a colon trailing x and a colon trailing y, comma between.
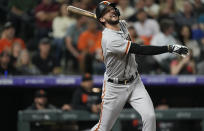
x: 112, y: 22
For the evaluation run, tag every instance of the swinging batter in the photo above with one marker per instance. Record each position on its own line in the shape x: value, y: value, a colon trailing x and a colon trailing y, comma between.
x: 122, y: 82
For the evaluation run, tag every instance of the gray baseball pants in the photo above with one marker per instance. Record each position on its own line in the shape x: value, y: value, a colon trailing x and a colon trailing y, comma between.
x: 115, y: 96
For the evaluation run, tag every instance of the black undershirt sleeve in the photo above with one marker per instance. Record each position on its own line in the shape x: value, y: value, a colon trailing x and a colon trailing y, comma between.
x: 147, y: 50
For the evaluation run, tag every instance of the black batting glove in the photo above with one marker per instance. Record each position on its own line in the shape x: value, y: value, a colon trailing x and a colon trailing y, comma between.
x: 178, y: 49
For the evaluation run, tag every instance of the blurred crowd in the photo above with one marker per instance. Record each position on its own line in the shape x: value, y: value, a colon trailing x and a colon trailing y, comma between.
x: 39, y: 37
x: 85, y: 97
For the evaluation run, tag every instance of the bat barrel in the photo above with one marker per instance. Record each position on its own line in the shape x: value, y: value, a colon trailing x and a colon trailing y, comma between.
x: 81, y: 12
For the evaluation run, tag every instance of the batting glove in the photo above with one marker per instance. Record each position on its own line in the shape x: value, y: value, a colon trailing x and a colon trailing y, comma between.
x: 178, y: 49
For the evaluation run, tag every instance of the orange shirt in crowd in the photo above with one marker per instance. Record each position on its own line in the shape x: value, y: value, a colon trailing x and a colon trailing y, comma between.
x: 89, y: 41
x: 4, y: 45
x: 7, y: 44
x: 146, y: 39
x: 188, y: 69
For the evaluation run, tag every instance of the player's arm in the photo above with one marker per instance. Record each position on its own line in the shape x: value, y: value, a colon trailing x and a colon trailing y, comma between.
x: 155, y: 50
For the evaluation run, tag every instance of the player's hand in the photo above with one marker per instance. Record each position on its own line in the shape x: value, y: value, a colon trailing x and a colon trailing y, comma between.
x: 178, y: 49
x: 185, y: 60
x: 66, y: 107
x: 94, y: 108
x: 80, y: 57
x: 41, y: 15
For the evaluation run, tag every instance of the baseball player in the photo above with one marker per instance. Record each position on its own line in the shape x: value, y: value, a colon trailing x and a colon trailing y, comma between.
x: 122, y: 82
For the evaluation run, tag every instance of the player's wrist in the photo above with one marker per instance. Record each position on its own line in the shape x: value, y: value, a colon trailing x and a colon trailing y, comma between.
x: 170, y: 48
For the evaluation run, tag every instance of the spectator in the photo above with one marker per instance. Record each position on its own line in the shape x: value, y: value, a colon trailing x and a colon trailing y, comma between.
x: 59, y: 26
x: 45, y: 12
x: 162, y: 104
x: 40, y: 101
x: 66, y: 107
x: 24, y: 65
x: 21, y: 15
x: 15, y: 52
x: 125, y: 9
x: 133, y: 35
x: 151, y: 8
x: 198, y: 7
x: 88, y: 43
x: 6, y: 68
x: 5, y: 45
x: 179, y: 4
x: 174, y: 5
x: 139, y: 4
x: 162, y: 39
x: 44, y: 60
x: 85, y: 97
x: 186, y: 17
x: 200, y: 65
x: 87, y: 4
x: 71, y: 39
x: 164, y: 125
x: 147, y: 62
x: 186, y: 39
x: 183, y: 66
x: 145, y: 27
x: 201, y: 20
x: 167, y: 10
x: 200, y: 68
x: 170, y: 4
x: 197, y: 31
x: 8, y: 38
x: 201, y: 43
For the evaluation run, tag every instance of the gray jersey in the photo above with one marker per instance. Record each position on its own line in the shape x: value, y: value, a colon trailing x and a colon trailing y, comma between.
x: 115, y: 45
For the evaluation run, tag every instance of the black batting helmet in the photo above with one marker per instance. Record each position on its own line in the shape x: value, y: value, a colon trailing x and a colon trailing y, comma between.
x: 100, y: 9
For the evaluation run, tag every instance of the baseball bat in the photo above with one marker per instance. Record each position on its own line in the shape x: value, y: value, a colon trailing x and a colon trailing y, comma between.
x: 79, y: 11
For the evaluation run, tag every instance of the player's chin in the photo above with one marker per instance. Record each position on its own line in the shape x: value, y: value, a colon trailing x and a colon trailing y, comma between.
x: 115, y: 21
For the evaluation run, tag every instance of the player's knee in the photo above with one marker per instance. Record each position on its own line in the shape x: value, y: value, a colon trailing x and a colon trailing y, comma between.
x: 152, y: 116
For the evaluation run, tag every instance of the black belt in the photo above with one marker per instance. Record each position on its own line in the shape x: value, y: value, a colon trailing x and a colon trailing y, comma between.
x: 125, y: 81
